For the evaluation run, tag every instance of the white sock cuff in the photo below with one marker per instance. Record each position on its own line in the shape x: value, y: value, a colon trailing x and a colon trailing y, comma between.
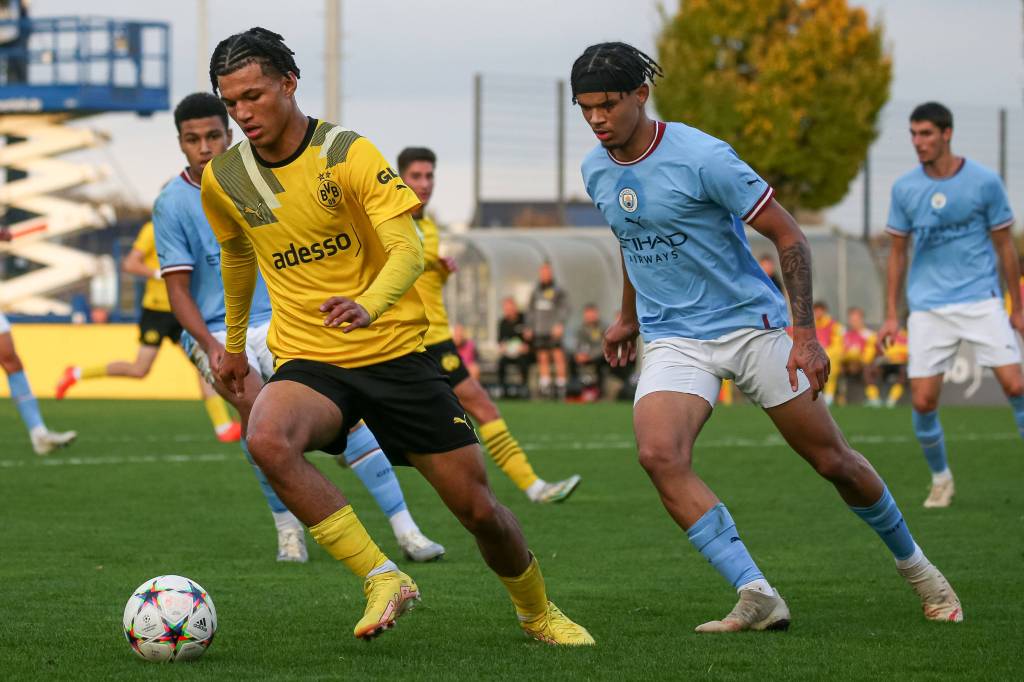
x: 402, y: 523
x: 942, y: 476
x: 534, y: 490
x: 760, y: 585
x: 285, y: 521
x: 388, y: 565
x: 913, y: 559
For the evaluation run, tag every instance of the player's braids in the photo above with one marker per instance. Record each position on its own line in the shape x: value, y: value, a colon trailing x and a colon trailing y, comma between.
x: 255, y: 46
x: 612, y: 67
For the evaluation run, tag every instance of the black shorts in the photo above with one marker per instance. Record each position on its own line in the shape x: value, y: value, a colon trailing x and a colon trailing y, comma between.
x: 892, y: 371
x: 407, y: 403
x: 448, y: 358
x: 156, y: 325
x: 545, y: 342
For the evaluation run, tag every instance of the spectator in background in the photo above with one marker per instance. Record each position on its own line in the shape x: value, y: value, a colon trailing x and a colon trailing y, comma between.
x: 892, y: 364
x: 588, y: 366
x: 467, y: 351
x: 858, y: 350
x: 767, y: 264
x: 514, y: 350
x: 545, y: 328
x: 830, y: 336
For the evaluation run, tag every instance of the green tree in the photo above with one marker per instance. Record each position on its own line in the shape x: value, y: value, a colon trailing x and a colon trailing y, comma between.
x: 795, y: 86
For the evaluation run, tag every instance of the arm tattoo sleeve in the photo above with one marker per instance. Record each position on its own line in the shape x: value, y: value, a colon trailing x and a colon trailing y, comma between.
x: 796, y: 272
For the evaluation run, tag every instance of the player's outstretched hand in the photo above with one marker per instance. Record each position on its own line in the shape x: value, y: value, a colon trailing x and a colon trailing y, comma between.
x: 889, y: 329
x: 620, y: 342
x: 1017, y: 321
x: 809, y: 356
x: 449, y: 264
x: 232, y: 371
x: 341, y: 310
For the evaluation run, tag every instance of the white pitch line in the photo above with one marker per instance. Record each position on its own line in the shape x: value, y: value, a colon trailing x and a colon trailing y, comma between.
x: 771, y: 441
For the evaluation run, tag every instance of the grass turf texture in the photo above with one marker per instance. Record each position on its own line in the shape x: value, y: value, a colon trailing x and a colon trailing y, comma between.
x: 146, y: 490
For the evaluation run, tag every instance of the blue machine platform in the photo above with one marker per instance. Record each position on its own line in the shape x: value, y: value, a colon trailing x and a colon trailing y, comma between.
x: 84, y: 65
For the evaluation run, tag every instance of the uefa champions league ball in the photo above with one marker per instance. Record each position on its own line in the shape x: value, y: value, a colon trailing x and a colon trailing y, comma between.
x: 169, y: 618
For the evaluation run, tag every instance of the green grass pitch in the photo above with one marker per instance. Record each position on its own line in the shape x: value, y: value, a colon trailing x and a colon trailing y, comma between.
x: 146, y: 490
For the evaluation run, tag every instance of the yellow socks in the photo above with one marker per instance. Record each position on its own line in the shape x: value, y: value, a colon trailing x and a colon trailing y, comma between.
x: 527, y: 592
x: 217, y: 410
x: 94, y: 372
x: 871, y: 392
x: 345, y: 539
x: 506, y: 453
x: 895, y: 393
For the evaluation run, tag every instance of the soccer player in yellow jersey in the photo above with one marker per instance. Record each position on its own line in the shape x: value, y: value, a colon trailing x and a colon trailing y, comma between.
x: 416, y: 167
x: 156, y: 323
x: 330, y: 226
x: 830, y: 336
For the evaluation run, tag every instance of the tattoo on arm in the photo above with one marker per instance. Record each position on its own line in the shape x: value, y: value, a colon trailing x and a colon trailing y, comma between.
x: 796, y: 273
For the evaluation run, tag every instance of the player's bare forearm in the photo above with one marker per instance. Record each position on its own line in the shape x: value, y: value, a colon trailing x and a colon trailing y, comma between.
x: 1010, y: 264
x: 185, y: 309
x: 135, y: 264
x: 775, y: 223
x: 896, y: 269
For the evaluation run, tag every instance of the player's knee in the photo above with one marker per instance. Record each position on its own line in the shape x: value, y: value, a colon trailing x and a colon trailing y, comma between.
x: 11, y: 363
x: 268, y: 445
x: 924, y: 403
x: 837, y: 463
x: 659, y: 457
x: 138, y: 371
x: 1014, y: 388
x: 480, y: 515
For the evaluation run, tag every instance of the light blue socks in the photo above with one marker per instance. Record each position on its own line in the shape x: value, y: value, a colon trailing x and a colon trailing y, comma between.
x: 885, y: 518
x: 27, y: 404
x: 715, y: 536
x: 933, y: 442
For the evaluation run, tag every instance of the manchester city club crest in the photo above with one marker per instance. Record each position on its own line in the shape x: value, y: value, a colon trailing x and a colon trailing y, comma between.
x: 628, y: 200
x: 938, y: 201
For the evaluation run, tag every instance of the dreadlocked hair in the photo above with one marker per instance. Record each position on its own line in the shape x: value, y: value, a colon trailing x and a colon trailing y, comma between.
x: 255, y: 46
x: 612, y: 67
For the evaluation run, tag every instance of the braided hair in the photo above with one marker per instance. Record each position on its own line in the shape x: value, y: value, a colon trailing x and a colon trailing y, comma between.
x: 612, y: 67
x: 255, y: 46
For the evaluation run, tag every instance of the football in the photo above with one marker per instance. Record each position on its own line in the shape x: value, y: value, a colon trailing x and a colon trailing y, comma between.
x: 169, y: 618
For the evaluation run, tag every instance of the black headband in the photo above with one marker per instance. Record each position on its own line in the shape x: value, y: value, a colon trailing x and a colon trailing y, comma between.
x: 602, y: 81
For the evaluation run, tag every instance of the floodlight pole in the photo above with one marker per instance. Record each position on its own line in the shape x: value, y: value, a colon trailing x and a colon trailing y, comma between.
x: 202, y: 47
x: 332, y: 60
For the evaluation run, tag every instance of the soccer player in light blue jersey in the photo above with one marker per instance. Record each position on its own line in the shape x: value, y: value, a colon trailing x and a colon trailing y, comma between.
x: 190, y: 264
x: 960, y: 220
x: 676, y: 199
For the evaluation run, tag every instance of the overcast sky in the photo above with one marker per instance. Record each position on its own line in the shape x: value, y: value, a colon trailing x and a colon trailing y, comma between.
x: 408, y: 68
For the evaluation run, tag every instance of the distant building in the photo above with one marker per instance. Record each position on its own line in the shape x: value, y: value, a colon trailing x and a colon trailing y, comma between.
x: 545, y: 213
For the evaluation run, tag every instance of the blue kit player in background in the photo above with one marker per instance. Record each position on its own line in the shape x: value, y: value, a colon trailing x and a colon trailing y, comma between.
x: 190, y: 264
x: 960, y: 219
x: 676, y: 199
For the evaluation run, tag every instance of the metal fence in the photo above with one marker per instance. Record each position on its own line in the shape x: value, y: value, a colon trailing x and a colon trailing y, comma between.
x: 529, y: 142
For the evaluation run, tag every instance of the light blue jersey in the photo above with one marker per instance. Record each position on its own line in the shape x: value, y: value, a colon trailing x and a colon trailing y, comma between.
x: 950, y: 220
x: 185, y: 242
x: 678, y: 213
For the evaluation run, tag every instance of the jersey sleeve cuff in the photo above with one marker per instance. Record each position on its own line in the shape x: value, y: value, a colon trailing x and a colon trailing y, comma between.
x: 1001, y: 226
x: 183, y: 267
x: 412, y: 205
x: 896, y: 231
x: 759, y: 205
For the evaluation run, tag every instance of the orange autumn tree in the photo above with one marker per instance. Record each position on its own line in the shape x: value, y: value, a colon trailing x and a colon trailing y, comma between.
x: 795, y: 86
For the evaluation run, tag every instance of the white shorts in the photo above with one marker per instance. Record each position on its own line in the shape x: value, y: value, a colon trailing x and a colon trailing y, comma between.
x: 934, y: 337
x: 5, y: 326
x: 256, y: 351
x: 755, y: 359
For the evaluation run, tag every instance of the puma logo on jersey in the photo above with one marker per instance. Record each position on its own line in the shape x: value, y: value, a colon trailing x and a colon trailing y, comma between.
x: 460, y: 420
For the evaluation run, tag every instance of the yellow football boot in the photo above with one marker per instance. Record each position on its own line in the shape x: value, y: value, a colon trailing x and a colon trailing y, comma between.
x: 554, y: 627
x: 388, y: 596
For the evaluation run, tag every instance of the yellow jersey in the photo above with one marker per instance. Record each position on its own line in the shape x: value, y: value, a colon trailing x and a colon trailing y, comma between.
x: 430, y: 284
x: 155, y: 296
x: 312, y: 221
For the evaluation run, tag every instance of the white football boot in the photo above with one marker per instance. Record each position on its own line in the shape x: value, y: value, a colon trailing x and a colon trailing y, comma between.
x: 941, y: 494
x: 291, y: 545
x: 754, y: 611
x: 418, y: 547
x: 938, y: 600
x: 45, y: 441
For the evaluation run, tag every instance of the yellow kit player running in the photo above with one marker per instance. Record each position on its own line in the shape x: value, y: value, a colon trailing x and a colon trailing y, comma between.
x: 156, y: 323
x: 416, y: 167
x: 329, y: 224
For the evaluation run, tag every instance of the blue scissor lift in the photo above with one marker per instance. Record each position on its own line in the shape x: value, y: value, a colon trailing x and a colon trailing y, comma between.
x: 53, y: 71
